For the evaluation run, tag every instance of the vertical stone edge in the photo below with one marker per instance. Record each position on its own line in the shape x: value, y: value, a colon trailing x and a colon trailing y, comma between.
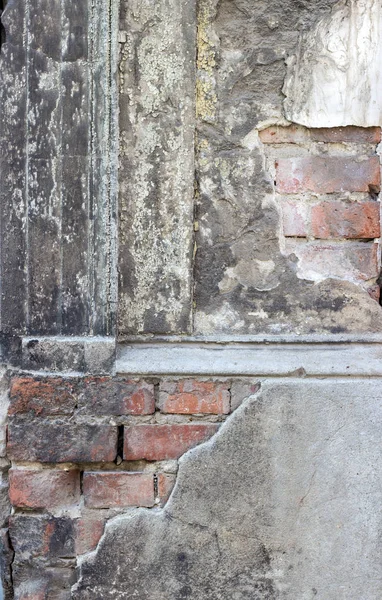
x: 104, y: 166
x: 157, y: 99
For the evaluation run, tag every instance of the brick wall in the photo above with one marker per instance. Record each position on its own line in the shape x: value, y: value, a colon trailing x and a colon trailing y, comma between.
x: 327, y: 183
x: 84, y: 449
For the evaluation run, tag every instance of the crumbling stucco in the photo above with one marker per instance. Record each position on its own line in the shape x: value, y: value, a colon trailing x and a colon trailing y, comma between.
x: 247, y: 278
x: 280, y: 504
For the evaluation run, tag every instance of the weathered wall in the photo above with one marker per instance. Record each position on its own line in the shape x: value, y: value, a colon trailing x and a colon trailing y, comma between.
x: 157, y: 123
x: 248, y: 277
x: 248, y: 273
x: 56, y: 186
x: 248, y: 219
x: 279, y: 504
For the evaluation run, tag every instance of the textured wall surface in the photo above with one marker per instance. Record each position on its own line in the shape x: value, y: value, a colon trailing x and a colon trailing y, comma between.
x: 335, y: 77
x: 157, y: 122
x: 278, y: 505
x: 236, y: 455
x: 248, y: 279
x: 247, y: 273
x: 57, y: 232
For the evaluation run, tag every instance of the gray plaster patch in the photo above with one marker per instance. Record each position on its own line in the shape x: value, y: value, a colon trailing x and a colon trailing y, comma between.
x: 283, y: 503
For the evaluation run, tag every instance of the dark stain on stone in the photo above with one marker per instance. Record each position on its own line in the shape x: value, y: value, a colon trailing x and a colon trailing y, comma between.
x: 2, y: 28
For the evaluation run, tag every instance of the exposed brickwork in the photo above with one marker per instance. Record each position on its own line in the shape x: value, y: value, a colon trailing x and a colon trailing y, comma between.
x: 331, y: 219
x: 165, y: 486
x: 62, y: 510
x: 159, y: 442
x: 326, y: 175
x: 338, y: 219
x: 194, y: 397
x: 42, y: 536
x: 58, y: 441
x: 326, y: 186
x: 296, y: 134
x: 45, y: 396
x: 91, y: 395
x: 112, y: 396
x: 355, y: 259
x: 119, y: 489
x: 89, y: 529
x: 29, y: 488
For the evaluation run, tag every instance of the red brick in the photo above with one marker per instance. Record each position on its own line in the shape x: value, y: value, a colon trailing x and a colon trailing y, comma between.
x: 294, y: 218
x: 356, y: 135
x: 345, y: 220
x: 105, y: 489
x: 89, y: 529
x: 166, y: 482
x: 29, y: 488
x: 296, y: 134
x: 117, y: 396
x: 326, y: 175
x: 159, y: 442
x: 188, y: 396
x: 47, y: 396
x: 350, y: 260
x: 58, y: 440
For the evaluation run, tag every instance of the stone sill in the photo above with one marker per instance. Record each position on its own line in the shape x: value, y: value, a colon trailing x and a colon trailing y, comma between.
x: 273, y: 356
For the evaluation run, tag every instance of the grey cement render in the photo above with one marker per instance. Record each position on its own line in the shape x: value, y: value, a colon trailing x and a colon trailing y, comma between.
x: 282, y: 503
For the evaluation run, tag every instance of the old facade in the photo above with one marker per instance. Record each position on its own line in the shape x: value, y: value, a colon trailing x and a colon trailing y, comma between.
x: 190, y: 307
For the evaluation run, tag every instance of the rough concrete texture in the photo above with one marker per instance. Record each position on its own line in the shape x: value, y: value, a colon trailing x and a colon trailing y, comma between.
x: 281, y: 504
x: 246, y: 282
x: 157, y: 115
x: 342, y: 52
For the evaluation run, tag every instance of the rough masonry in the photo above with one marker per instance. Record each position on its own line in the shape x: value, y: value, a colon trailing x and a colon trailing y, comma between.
x: 190, y: 317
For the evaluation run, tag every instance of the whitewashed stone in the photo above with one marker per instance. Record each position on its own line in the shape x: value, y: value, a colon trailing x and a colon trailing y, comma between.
x: 334, y: 79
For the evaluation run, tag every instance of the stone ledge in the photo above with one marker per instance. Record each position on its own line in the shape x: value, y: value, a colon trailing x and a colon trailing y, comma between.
x: 251, y: 359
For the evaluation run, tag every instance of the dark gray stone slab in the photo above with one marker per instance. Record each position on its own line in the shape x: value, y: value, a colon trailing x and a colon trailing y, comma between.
x: 282, y: 503
x: 57, y: 68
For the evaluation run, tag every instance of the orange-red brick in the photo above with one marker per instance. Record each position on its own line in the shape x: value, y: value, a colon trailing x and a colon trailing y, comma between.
x: 331, y: 219
x: 165, y: 485
x: 160, y: 442
x: 189, y: 396
x: 105, y: 489
x: 29, y: 488
x: 117, y: 396
x: 326, y: 175
x: 89, y: 529
x: 46, y: 396
x: 345, y: 220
